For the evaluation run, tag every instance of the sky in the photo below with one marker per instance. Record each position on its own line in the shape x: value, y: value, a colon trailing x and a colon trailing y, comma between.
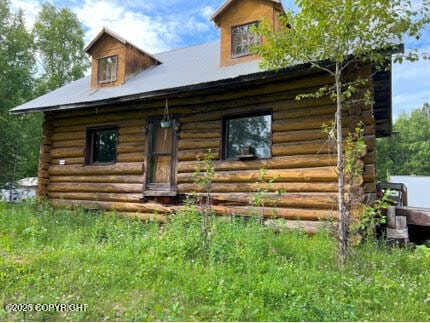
x: 160, y: 25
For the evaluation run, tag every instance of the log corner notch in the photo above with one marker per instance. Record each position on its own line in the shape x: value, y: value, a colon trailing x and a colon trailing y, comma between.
x: 45, y: 156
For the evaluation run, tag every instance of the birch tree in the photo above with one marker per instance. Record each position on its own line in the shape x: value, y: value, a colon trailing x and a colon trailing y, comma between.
x: 331, y: 35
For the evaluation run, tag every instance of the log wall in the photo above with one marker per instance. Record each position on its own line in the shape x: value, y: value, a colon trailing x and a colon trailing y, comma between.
x: 302, y: 164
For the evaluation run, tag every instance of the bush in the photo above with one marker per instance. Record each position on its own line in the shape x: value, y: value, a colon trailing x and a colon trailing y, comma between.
x: 128, y: 270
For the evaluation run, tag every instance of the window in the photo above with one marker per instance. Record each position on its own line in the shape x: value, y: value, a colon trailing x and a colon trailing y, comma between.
x: 161, y: 158
x: 107, y: 69
x: 101, y: 145
x: 242, y: 38
x: 247, y: 136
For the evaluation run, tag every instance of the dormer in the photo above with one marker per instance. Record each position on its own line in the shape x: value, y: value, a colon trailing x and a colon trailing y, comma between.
x: 235, y: 19
x: 114, y: 60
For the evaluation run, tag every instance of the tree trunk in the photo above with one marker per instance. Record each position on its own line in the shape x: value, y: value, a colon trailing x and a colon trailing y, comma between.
x: 342, y: 211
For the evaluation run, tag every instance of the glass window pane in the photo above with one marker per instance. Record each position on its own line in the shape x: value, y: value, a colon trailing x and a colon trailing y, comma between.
x: 254, y: 132
x: 243, y: 38
x: 107, y: 69
x: 104, y: 146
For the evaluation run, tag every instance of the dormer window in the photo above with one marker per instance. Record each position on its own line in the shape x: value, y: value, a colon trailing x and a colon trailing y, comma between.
x: 242, y: 39
x: 107, y: 67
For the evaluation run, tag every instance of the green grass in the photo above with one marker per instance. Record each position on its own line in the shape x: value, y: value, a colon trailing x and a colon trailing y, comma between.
x: 126, y: 270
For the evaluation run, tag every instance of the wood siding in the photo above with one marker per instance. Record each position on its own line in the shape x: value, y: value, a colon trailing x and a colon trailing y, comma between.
x: 302, y: 164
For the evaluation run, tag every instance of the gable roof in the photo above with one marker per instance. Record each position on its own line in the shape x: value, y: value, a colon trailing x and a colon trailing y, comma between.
x: 106, y: 31
x: 196, y: 66
x: 228, y: 3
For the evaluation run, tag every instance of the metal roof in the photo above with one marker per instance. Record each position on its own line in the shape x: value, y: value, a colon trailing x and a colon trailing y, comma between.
x: 180, y: 68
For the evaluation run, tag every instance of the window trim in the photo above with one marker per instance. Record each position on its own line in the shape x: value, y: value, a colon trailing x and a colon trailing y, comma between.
x: 239, y: 116
x: 89, y: 145
x: 248, y: 53
x: 169, y: 189
x: 99, y: 81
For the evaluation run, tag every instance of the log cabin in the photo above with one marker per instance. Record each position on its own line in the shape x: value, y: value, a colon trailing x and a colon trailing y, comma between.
x: 128, y: 137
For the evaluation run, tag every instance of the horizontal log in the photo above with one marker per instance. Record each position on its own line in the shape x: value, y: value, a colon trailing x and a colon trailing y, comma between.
x: 195, y: 154
x: 118, y: 206
x: 101, y: 118
x: 215, y: 115
x: 188, y: 144
x: 314, y: 174
x: 302, y: 104
x: 117, y: 169
x: 294, y: 200
x: 284, y: 162
x: 76, y: 135
x: 414, y: 215
x: 103, y: 197
x: 75, y: 143
x: 309, y: 227
x: 325, y: 146
x: 313, y: 122
x: 136, y: 179
x: 95, y: 187
x: 209, y: 125
x: 304, y: 148
x: 131, y: 157
x: 270, y: 212
x: 197, y: 134
x: 133, y: 130
x: 62, y: 153
x: 75, y: 127
x: 304, y: 112
x: 130, y: 148
x: 252, y: 187
x: 133, y: 138
x: 69, y: 161
x: 311, y: 134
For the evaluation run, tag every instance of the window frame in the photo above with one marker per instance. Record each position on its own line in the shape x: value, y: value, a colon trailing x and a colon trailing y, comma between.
x: 154, y: 189
x: 99, y: 70
x: 224, y: 139
x: 247, y: 53
x: 90, y: 145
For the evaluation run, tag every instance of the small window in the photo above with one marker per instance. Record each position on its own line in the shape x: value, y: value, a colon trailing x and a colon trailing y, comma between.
x: 101, y: 145
x: 242, y: 38
x: 107, y: 69
x: 248, y: 136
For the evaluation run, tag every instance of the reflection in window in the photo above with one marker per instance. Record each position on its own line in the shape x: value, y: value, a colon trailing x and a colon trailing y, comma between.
x: 107, y: 69
x: 242, y: 38
x: 101, y: 146
x: 251, y: 134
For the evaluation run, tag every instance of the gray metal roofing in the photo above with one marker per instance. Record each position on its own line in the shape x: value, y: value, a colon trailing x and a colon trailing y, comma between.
x: 180, y: 68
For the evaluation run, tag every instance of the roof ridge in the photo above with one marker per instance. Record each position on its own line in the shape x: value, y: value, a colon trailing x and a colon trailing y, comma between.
x: 186, y: 47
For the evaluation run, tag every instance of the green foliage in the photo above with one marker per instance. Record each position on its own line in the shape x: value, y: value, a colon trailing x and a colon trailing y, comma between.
x: 333, y: 36
x: 373, y: 216
x: 20, y: 135
x: 407, y: 152
x: 263, y: 191
x: 127, y: 270
x: 59, y: 40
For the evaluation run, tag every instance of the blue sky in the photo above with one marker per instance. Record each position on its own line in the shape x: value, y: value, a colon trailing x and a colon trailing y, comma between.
x: 161, y: 25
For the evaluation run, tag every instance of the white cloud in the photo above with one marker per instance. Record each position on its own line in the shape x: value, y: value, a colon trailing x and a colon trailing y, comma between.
x: 29, y: 8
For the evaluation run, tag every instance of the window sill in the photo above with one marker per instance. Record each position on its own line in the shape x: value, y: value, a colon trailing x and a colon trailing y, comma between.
x: 159, y: 193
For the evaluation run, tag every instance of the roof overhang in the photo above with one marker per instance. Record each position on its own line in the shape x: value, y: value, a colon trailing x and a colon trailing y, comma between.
x: 227, y: 4
x: 105, y: 31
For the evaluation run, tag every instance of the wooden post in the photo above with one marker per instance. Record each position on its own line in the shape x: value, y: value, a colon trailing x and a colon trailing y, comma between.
x: 397, y: 228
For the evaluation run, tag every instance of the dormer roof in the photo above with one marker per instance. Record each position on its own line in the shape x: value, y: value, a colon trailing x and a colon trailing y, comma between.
x: 106, y: 31
x: 227, y: 4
